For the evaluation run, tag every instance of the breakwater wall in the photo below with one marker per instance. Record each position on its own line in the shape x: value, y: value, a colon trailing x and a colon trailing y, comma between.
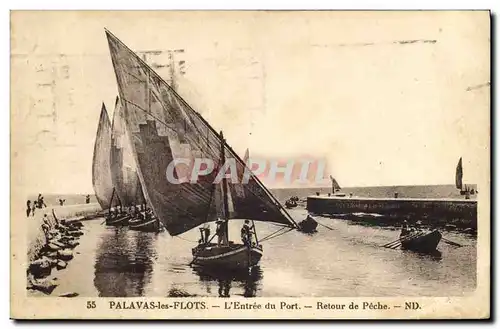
x: 436, y: 212
x: 36, y: 236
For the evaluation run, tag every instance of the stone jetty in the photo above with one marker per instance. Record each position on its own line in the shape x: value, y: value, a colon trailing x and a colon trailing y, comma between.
x: 458, y: 213
x: 54, y: 234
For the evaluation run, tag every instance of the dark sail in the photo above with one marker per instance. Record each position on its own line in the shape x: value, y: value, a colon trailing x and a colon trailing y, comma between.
x: 163, y: 127
x: 123, y: 165
x: 101, y: 165
x: 458, y: 175
x: 335, y: 184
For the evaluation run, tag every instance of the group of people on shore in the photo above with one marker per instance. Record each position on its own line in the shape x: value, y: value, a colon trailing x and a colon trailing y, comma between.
x: 38, y: 203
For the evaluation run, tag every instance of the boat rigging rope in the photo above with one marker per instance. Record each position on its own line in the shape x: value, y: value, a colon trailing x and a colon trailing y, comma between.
x: 185, y: 239
x: 276, y: 234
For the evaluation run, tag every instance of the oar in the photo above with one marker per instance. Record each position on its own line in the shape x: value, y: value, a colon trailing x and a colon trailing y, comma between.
x: 451, y: 242
x: 331, y: 229
x: 398, y: 241
x: 406, y: 238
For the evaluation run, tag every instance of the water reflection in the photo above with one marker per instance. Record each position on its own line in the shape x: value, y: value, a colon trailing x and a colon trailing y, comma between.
x: 249, y: 281
x: 124, y: 262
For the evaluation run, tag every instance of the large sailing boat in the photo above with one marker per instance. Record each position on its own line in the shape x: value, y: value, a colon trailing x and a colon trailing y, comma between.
x: 126, y: 179
x: 101, y: 166
x: 464, y: 189
x: 123, y: 165
x: 163, y: 129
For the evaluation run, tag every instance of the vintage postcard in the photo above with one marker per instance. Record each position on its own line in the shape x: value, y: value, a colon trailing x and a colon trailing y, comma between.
x: 250, y: 165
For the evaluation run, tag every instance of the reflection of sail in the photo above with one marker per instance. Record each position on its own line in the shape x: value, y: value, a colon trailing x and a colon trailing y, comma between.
x: 226, y: 280
x: 101, y: 167
x: 459, y: 174
x: 123, y: 165
x: 164, y: 127
x: 124, y: 263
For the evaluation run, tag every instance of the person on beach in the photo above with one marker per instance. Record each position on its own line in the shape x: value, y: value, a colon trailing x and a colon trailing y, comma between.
x: 28, y: 208
x: 40, y: 203
x: 33, y: 208
x: 87, y: 198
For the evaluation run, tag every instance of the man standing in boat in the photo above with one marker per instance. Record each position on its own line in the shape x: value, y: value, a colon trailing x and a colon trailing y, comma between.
x: 221, y: 232
x: 246, y: 233
x: 205, y: 233
x: 405, y: 229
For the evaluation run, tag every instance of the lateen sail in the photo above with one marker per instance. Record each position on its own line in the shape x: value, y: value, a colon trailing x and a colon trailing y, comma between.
x: 163, y: 127
x: 101, y: 166
x: 123, y: 166
x: 458, y: 175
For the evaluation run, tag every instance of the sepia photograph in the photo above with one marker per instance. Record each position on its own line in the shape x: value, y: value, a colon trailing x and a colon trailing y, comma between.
x: 237, y: 164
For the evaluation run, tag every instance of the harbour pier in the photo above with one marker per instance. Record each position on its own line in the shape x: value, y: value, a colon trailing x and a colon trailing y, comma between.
x: 461, y: 213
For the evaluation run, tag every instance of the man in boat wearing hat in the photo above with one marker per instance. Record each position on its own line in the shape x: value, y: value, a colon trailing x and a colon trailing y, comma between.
x: 246, y: 233
x: 221, y: 231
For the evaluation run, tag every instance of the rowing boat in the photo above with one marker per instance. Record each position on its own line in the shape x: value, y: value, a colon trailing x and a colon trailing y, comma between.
x: 425, y: 243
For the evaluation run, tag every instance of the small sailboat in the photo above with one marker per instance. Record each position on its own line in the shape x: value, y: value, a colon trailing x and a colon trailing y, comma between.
x: 101, y: 162
x: 336, y: 188
x: 464, y: 189
x: 165, y: 129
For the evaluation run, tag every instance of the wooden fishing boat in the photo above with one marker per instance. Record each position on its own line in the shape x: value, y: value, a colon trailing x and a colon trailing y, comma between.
x: 121, y: 220
x: 308, y: 225
x: 425, y: 243
x: 101, y: 162
x: 149, y: 225
x: 290, y: 204
x: 164, y: 128
x: 231, y: 256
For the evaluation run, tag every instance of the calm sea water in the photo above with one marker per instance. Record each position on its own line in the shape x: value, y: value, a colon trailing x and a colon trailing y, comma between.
x: 425, y: 191
x: 342, y: 260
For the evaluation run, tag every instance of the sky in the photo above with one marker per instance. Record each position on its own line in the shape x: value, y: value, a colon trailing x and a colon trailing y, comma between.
x: 388, y: 98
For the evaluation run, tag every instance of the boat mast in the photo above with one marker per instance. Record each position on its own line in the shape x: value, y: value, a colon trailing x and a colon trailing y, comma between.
x: 224, y: 188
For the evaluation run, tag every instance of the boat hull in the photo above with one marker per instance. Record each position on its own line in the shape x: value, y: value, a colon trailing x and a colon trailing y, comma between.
x: 151, y: 225
x: 426, y: 243
x: 234, y: 256
x: 308, y: 226
x: 120, y: 221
